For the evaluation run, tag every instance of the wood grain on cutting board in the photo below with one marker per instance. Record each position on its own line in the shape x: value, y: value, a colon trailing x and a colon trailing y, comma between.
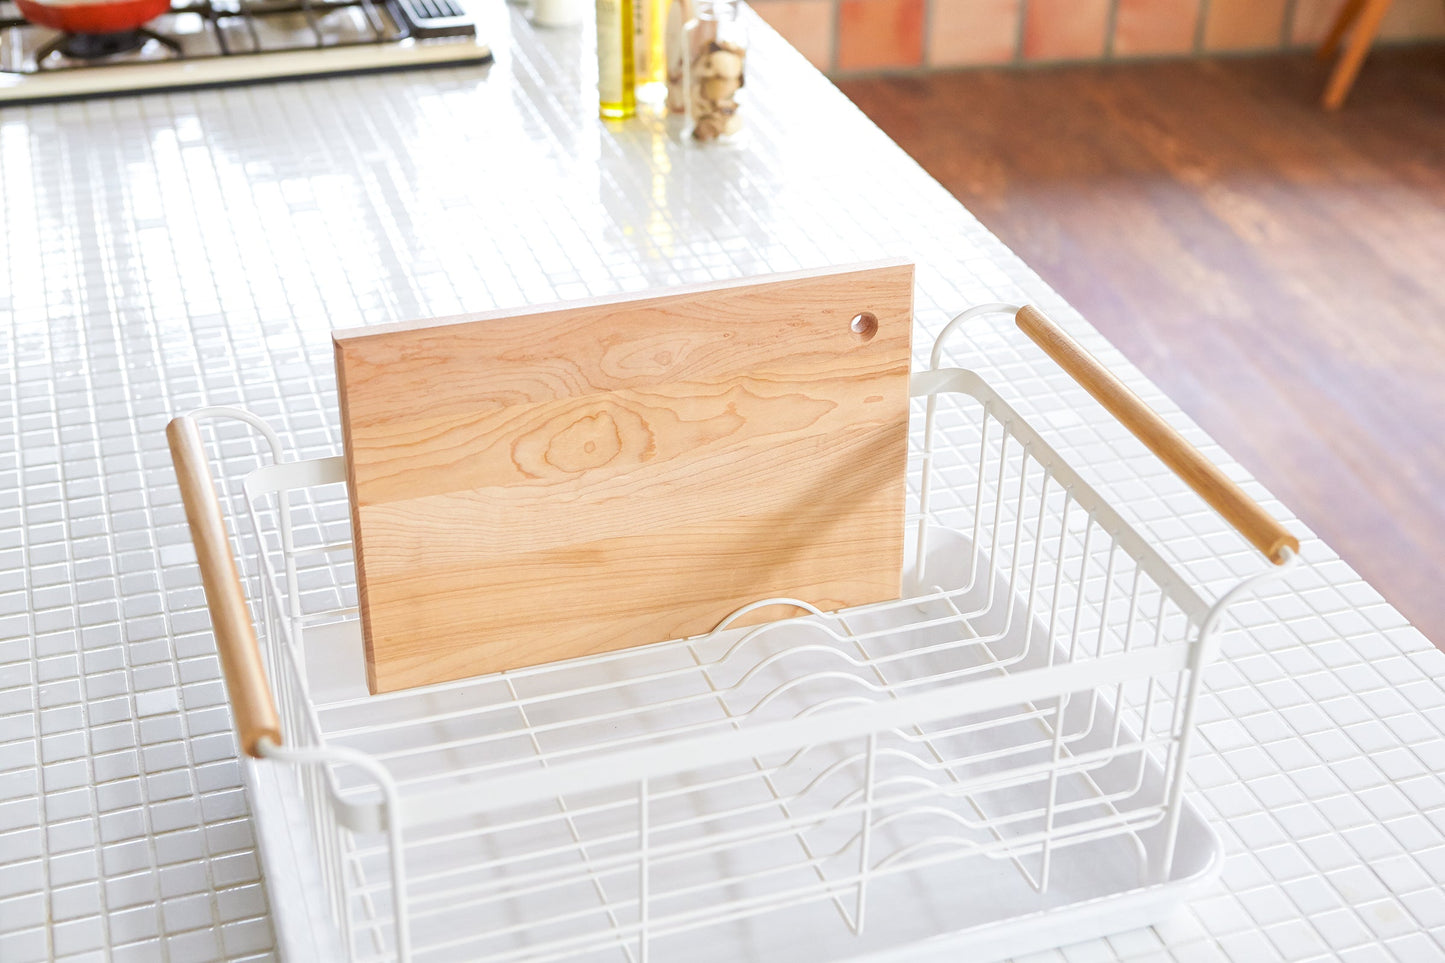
x: 601, y: 474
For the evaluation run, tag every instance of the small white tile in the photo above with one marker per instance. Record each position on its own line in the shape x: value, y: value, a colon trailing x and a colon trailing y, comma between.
x: 137, y: 889
x: 23, y: 912
x: 1223, y: 914
x: 68, y: 836
x: 187, y: 878
x: 187, y: 912
x: 242, y: 902
x: 28, y: 946
x: 1413, y: 946
x: 1258, y: 830
x: 1357, y: 884
x: 1427, y: 906
x: 246, y: 936
x: 1296, y: 940
x: 1243, y: 871
x: 197, y: 946
x: 1249, y: 944
x: 1401, y: 874
x: 1387, y: 918
x: 138, y: 952
x: 1367, y: 953
x: 78, y: 936
x: 1268, y: 906
x: 1341, y: 928
x: 236, y: 868
x: 1198, y: 953
x: 1135, y: 942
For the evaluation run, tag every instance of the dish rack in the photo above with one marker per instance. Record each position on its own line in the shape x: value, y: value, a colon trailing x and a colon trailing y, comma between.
x: 993, y: 763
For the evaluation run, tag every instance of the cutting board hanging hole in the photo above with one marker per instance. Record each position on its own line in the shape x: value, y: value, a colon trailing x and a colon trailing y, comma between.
x: 865, y: 326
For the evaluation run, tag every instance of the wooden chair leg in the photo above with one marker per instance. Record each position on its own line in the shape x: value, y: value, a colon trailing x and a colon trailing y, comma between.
x: 1361, y: 37
x: 1348, y: 14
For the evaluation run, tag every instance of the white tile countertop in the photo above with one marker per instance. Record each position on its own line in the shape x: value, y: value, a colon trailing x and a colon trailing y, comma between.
x: 168, y: 251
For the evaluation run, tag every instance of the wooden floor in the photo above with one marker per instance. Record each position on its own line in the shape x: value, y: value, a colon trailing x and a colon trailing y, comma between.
x: 1280, y: 272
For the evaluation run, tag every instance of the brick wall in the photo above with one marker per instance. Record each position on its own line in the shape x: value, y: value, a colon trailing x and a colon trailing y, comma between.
x: 847, y: 36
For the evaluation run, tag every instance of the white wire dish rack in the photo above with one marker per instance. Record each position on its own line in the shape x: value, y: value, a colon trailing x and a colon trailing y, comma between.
x: 993, y: 763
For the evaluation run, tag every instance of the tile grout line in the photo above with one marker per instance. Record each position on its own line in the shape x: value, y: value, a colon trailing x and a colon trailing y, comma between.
x: 142, y: 774
x: 38, y: 741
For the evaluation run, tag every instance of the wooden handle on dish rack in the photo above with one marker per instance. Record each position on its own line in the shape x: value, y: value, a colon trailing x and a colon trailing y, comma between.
x: 1198, y: 472
x: 252, y: 704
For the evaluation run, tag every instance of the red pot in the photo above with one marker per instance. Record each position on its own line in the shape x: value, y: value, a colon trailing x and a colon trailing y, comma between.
x: 92, y: 16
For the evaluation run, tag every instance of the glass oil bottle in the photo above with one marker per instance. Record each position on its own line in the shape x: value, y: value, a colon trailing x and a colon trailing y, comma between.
x: 616, y: 78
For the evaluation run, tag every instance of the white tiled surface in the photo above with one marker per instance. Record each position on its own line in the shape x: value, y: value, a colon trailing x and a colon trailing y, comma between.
x: 168, y: 251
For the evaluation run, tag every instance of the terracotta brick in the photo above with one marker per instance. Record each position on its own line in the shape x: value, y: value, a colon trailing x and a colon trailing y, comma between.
x: 806, y: 24
x: 1066, y: 29
x: 1312, y: 19
x: 1155, y: 27
x: 965, y: 32
x: 879, y: 33
x: 1414, y: 20
x: 1407, y: 20
x: 1244, y: 24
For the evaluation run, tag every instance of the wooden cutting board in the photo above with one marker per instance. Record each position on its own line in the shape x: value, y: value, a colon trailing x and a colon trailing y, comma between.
x: 528, y: 487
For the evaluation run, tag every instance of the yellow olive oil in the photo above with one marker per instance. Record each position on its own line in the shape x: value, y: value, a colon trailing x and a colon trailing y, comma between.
x: 615, y: 76
x: 649, y: 57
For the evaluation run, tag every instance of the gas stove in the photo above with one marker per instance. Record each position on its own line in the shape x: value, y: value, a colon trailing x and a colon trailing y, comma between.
x: 205, y: 43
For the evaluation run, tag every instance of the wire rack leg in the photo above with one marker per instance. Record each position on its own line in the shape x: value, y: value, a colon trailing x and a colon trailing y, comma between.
x: 643, y: 895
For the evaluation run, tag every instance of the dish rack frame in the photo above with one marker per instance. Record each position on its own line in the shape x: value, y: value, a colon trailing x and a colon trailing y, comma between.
x: 1033, y: 694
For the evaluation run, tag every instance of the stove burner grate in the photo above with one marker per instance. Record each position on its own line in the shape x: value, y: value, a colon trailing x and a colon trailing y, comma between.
x: 260, y: 40
x: 226, y: 28
x: 95, y: 46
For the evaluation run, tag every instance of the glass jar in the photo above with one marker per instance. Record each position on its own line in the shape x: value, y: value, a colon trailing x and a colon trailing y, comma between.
x: 714, y: 53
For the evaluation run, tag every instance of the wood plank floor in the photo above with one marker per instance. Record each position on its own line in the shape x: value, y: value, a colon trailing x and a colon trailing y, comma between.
x: 1278, y: 271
